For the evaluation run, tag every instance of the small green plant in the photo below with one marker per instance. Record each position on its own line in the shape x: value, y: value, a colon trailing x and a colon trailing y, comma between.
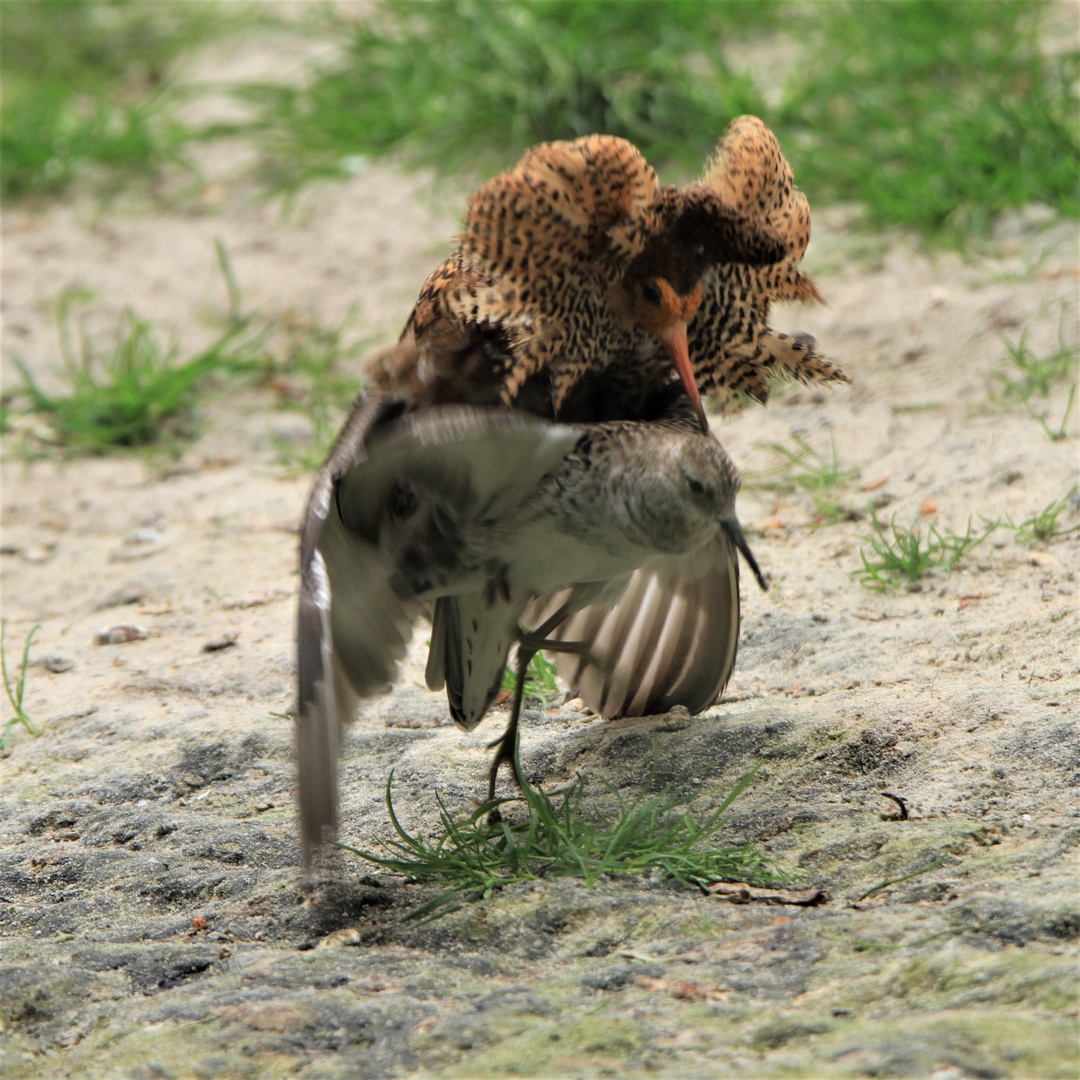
x: 475, y: 855
x: 901, y: 556
x: 539, y: 679
x: 1033, y: 374
x: 808, y: 469
x: 15, y: 691
x: 1043, y: 524
x: 803, y: 467
x: 134, y: 395
x: 1055, y: 434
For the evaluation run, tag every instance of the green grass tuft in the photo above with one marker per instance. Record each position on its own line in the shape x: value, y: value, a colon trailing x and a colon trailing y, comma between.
x: 137, y: 394
x: 1031, y: 374
x: 1043, y: 524
x: 480, y: 853
x: 902, y: 556
x: 14, y: 690
x: 811, y: 471
x: 1060, y: 431
x: 804, y: 467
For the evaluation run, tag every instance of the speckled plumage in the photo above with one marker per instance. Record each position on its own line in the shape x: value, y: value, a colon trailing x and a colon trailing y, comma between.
x: 733, y: 349
x: 536, y: 306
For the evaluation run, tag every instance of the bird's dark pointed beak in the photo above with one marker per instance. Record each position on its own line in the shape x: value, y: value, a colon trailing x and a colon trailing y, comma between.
x: 734, y: 530
x: 679, y: 351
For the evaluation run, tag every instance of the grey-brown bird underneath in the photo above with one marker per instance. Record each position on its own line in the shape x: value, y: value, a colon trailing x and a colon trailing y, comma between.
x: 483, y: 511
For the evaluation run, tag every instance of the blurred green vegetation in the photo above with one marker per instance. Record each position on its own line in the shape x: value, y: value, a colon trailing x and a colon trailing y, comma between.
x: 472, y: 83
x: 85, y: 85
x: 933, y: 114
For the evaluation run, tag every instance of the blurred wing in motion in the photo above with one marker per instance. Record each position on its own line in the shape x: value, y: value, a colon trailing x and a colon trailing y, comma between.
x: 384, y: 526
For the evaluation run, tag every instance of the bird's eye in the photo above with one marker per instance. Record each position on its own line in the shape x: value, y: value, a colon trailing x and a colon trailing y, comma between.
x: 696, y: 486
x: 650, y: 292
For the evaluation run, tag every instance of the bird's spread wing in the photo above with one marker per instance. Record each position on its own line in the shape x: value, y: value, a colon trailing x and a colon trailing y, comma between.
x: 670, y: 639
x: 472, y: 464
x: 383, y: 525
x: 324, y: 696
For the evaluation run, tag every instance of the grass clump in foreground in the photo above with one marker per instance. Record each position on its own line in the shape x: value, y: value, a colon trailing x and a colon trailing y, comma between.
x: 900, y: 556
x: 474, y: 855
x: 14, y: 689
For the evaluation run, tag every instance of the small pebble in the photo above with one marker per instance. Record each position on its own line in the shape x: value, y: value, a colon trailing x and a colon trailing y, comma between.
x: 55, y: 663
x: 117, y: 635
x: 224, y: 642
x: 349, y: 935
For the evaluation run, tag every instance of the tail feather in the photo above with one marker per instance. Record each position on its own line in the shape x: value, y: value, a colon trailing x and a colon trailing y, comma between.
x: 470, y: 640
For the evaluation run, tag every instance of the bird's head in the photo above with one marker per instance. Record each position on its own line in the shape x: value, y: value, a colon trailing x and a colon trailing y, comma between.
x: 664, y: 313
x: 683, y: 233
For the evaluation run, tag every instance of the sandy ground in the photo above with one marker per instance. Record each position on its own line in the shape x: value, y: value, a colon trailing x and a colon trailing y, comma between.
x: 152, y: 917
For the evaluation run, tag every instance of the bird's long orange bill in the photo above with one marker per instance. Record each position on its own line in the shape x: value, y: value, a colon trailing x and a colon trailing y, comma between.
x: 675, y: 343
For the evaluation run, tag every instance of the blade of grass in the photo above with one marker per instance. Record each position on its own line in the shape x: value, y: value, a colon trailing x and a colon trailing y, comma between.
x: 896, y: 881
x: 15, y: 692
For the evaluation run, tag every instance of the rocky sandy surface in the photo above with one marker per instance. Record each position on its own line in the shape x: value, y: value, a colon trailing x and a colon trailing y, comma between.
x: 153, y: 920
